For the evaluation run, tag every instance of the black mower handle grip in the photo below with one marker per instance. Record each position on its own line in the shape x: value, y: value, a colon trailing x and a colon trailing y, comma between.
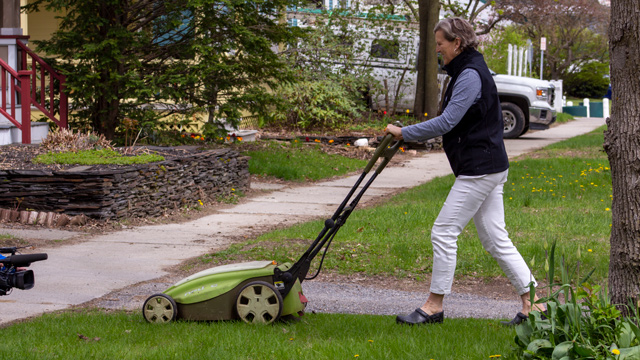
x: 379, y: 150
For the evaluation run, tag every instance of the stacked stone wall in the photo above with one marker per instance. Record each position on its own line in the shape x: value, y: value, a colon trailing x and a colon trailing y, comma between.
x: 126, y: 191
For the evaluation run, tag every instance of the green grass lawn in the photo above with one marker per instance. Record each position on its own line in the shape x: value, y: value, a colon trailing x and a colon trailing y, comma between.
x: 561, y: 193
x: 294, y: 161
x: 97, y: 335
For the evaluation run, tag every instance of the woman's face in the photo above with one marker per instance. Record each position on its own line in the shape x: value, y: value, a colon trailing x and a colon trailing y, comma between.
x: 448, y: 49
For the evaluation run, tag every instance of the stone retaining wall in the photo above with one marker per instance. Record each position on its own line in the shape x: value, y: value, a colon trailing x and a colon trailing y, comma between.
x: 127, y: 191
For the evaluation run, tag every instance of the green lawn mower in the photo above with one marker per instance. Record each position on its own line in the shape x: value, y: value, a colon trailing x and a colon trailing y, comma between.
x: 258, y: 291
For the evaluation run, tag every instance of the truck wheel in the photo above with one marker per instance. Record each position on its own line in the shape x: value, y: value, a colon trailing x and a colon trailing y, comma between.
x: 513, y: 120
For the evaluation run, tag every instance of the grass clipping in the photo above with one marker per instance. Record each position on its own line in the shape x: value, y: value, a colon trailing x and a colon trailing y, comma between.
x: 69, y: 148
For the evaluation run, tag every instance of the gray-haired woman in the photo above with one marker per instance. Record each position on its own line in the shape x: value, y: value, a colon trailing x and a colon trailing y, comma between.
x: 471, y: 126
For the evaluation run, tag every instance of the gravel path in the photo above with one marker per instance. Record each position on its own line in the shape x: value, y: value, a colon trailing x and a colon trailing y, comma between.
x: 325, y: 297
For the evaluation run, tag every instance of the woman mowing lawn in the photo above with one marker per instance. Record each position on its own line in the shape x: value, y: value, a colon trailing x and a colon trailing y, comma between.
x: 472, y: 127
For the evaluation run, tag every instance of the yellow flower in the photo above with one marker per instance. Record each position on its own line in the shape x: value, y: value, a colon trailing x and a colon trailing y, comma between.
x: 356, y: 355
x: 407, y: 111
x: 615, y: 352
x: 425, y: 114
x: 370, y: 341
x: 316, y: 140
x: 330, y: 141
x: 495, y: 356
x: 239, y: 138
x: 232, y: 189
x: 607, y: 209
x: 589, y: 250
x: 200, y: 202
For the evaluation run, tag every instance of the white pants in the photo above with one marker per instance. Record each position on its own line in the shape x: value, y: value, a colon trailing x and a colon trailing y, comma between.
x: 480, y: 198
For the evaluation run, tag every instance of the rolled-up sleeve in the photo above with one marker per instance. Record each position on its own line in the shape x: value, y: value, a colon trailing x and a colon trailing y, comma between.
x: 466, y: 91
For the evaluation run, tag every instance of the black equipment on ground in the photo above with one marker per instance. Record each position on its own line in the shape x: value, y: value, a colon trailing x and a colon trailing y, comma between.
x: 12, y: 272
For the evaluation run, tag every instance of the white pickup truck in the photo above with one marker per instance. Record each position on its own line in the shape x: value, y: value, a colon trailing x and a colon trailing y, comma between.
x: 527, y: 103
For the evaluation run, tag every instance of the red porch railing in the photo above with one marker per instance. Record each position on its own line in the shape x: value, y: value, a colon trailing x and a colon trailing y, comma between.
x: 34, y: 84
x: 15, y: 83
x: 46, y: 84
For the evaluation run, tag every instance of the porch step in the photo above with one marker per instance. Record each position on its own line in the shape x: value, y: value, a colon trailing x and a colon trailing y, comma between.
x: 10, y: 134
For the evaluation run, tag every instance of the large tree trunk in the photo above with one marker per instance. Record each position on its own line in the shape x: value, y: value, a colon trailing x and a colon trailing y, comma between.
x: 426, y: 100
x: 622, y: 144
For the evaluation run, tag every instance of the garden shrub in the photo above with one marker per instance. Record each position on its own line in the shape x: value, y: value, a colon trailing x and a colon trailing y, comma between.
x: 590, y: 82
x: 321, y: 104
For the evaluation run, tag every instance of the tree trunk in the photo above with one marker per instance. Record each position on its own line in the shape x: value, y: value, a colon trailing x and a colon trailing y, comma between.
x: 426, y: 100
x: 622, y: 144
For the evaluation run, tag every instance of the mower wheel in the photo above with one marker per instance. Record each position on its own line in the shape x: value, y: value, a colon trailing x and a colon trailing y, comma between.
x: 259, y: 302
x: 159, y: 309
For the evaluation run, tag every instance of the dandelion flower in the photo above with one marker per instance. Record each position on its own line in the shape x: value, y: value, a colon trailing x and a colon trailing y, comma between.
x: 615, y: 352
x: 607, y: 209
x: 200, y: 202
x: 407, y: 111
x: 589, y: 250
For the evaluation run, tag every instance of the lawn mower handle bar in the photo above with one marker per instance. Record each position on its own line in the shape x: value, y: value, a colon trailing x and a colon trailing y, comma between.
x: 300, y: 269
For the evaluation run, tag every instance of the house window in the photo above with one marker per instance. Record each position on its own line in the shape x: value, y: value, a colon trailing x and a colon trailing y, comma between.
x: 385, y: 49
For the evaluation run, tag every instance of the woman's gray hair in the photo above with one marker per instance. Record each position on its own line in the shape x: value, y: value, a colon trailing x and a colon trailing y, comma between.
x: 456, y: 27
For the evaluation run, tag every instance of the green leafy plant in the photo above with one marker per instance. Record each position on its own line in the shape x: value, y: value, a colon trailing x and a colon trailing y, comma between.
x: 578, y: 324
x: 315, y: 104
x: 591, y: 81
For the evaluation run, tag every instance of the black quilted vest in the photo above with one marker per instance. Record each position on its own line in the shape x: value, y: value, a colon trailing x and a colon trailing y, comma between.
x: 475, y: 145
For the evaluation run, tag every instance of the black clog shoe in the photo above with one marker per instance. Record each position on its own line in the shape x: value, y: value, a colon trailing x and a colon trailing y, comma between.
x: 420, y: 317
x: 520, y: 317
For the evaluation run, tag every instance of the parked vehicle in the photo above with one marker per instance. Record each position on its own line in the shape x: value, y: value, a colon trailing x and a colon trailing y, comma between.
x: 390, y: 52
x: 527, y: 103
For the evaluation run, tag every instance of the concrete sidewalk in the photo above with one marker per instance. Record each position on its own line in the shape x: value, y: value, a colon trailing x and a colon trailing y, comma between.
x: 78, y: 273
